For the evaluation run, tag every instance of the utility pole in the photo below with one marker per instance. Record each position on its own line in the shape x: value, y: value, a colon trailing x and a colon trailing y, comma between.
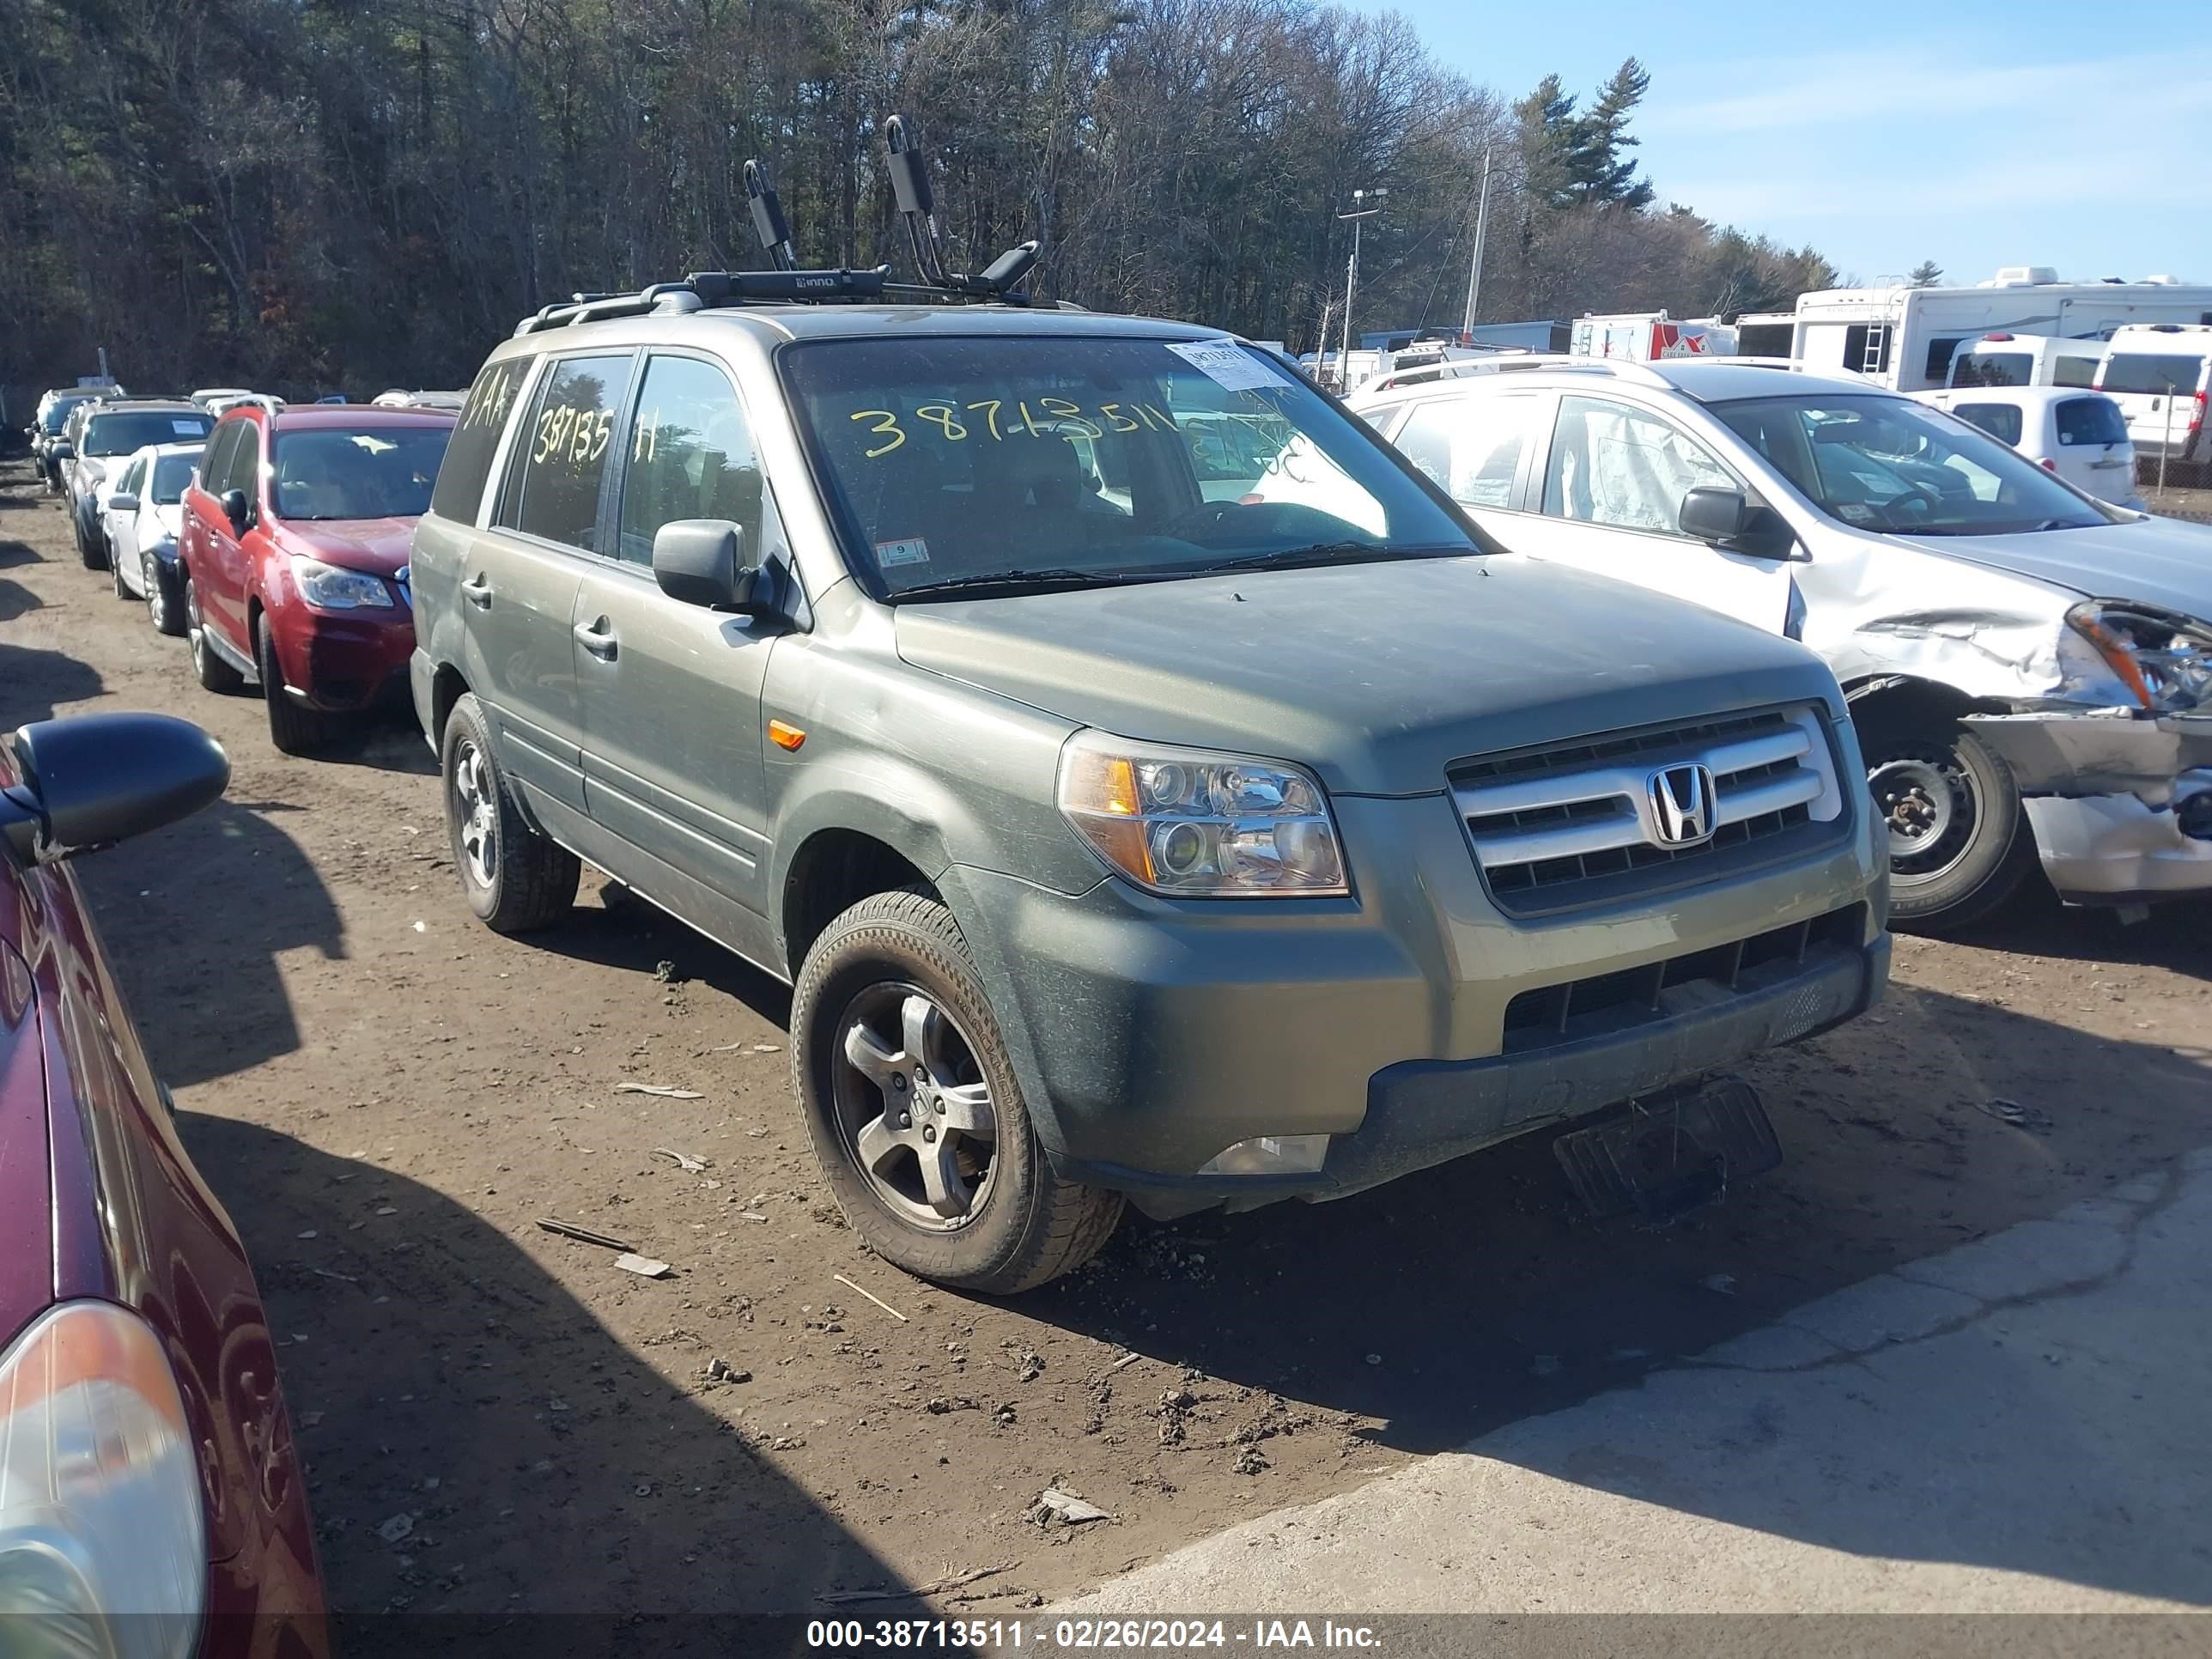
x: 1352, y: 277
x: 1474, y: 265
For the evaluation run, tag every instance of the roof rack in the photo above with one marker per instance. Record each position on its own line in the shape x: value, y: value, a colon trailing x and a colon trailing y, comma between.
x: 788, y: 285
x: 1459, y: 368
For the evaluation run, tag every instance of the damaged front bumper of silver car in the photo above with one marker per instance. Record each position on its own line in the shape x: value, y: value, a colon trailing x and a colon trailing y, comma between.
x: 2120, y: 799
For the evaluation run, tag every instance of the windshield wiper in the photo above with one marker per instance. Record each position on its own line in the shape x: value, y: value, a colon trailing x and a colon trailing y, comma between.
x: 1004, y: 581
x: 1290, y: 559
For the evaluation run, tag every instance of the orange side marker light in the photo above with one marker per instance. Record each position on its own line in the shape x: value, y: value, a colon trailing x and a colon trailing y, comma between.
x: 785, y: 737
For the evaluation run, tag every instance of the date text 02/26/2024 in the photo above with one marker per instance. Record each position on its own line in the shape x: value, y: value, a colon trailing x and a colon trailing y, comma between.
x: 1085, y: 1635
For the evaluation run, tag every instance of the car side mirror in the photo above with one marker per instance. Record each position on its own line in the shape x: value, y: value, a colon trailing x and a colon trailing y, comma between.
x: 95, y: 779
x: 703, y: 562
x: 238, y: 509
x: 122, y: 501
x: 61, y: 450
x: 1714, y: 514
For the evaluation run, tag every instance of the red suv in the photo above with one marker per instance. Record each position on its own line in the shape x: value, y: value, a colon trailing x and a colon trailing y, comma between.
x: 295, y: 555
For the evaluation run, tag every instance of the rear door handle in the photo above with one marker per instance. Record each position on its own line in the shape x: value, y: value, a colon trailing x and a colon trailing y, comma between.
x: 598, y: 638
x: 477, y: 592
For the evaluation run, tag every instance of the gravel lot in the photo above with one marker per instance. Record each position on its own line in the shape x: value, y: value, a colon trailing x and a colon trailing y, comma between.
x: 388, y: 1097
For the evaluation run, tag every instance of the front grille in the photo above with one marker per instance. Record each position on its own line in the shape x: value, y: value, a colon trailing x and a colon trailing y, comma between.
x: 1571, y: 823
x: 1606, y: 1003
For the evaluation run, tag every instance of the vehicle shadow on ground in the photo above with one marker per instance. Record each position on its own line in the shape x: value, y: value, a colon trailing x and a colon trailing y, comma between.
x: 1470, y: 1297
x: 14, y: 553
x: 387, y: 739
x: 2177, y: 935
x: 15, y: 599
x: 630, y: 933
x: 211, y: 998
x: 595, y: 1483
x: 33, y: 684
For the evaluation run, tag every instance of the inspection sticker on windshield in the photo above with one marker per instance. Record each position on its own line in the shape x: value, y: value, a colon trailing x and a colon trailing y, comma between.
x: 1230, y: 367
x: 910, y: 550
x: 188, y: 429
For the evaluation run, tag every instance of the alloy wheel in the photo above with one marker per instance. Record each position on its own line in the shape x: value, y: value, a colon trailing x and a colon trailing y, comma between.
x: 914, y: 1106
x: 476, y: 813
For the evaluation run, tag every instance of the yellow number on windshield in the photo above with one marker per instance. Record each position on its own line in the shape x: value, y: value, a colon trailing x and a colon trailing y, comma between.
x: 886, y: 425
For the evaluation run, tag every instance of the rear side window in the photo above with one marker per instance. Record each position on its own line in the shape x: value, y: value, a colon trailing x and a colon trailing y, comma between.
x: 1470, y: 448
x: 460, y: 485
x: 2000, y: 421
x: 2090, y: 421
x: 2074, y: 371
x: 2157, y: 373
x: 560, y: 459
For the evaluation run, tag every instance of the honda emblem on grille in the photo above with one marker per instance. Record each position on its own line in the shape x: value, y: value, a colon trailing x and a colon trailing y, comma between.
x: 1682, y: 805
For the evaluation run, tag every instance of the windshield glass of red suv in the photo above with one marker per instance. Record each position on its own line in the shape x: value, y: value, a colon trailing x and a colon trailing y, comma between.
x: 963, y: 465
x: 356, y: 472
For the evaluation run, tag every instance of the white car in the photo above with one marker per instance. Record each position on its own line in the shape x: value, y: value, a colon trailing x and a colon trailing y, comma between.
x: 2161, y: 375
x: 2080, y: 435
x: 140, y: 519
x: 2030, y: 669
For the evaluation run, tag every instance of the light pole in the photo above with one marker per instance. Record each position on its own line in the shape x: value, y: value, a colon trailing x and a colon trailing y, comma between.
x: 1474, y: 265
x: 1351, y: 277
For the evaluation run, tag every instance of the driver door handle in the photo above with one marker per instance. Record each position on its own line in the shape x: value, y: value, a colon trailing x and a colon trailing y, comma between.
x: 598, y: 638
x: 478, y: 593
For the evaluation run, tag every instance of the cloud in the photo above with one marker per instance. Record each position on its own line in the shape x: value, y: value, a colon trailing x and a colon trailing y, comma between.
x: 1851, y: 89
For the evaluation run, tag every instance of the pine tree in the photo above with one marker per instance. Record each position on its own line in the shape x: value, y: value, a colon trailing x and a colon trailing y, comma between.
x: 1604, y: 171
x: 1926, y: 274
x: 1550, y: 137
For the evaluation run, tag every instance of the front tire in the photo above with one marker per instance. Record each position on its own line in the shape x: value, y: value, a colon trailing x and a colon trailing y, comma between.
x: 1958, y: 838
x: 90, y: 543
x: 515, y: 878
x: 213, y: 673
x: 294, y: 727
x: 115, y: 575
x: 164, y: 609
x: 916, y: 1116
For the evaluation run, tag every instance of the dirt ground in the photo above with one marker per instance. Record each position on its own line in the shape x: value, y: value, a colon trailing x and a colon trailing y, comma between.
x: 388, y: 1097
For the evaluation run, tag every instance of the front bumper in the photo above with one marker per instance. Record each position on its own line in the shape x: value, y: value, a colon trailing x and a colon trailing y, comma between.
x: 341, y: 663
x: 2109, y: 798
x: 1150, y: 1035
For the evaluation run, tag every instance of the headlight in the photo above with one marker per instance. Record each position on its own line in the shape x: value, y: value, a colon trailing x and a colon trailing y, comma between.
x: 100, y: 1493
x: 334, y: 589
x: 2164, y: 658
x: 1191, y: 823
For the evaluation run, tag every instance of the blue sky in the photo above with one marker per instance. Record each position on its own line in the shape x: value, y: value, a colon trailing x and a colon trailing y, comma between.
x: 1972, y: 133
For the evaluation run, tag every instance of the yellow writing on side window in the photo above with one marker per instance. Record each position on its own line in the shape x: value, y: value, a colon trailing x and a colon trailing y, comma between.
x: 573, y: 435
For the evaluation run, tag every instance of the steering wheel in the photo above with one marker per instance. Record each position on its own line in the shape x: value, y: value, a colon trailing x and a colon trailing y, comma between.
x: 1934, y: 501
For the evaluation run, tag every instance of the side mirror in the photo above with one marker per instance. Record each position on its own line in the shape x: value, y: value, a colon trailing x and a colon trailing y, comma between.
x: 122, y: 501
x: 61, y: 450
x: 1714, y: 516
x: 98, y: 778
x: 238, y: 509
x: 703, y: 562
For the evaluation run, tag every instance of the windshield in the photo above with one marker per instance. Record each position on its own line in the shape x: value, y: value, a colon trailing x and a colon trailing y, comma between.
x: 171, y: 474
x: 120, y: 431
x: 356, y: 472
x: 995, y: 460
x: 1888, y: 464
x: 58, y: 417
x: 2163, y: 374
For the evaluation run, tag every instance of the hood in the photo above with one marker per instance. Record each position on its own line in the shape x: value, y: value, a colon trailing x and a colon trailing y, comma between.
x: 2161, y: 562
x: 378, y: 546
x: 1376, y: 675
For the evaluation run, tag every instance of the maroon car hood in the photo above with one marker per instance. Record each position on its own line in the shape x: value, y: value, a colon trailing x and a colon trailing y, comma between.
x: 26, y: 1230
x: 376, y: 545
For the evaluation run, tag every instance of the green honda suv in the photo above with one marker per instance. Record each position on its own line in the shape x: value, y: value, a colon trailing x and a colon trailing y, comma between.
x: 1125, y: 834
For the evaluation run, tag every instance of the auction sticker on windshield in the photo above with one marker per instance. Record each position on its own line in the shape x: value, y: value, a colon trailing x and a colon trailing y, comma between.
x: 1228, y: 366
x: 909, y: 549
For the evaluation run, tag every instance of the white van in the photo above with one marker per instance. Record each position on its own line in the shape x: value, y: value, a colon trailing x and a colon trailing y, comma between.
x: 2004, y: 359
x: 2081, y: 435
x: 2159, y: 374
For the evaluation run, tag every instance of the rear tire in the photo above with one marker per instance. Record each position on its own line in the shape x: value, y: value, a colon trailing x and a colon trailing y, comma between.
x: 1014, y: 1223
x: 294, y: 727
x: 515, y: 878
x: 212, y: 671
x: 1959, y: 841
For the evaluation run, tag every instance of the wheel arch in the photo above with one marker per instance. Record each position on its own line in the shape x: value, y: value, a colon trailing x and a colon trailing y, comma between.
x: 448, y: 685
x: 830, y: 871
